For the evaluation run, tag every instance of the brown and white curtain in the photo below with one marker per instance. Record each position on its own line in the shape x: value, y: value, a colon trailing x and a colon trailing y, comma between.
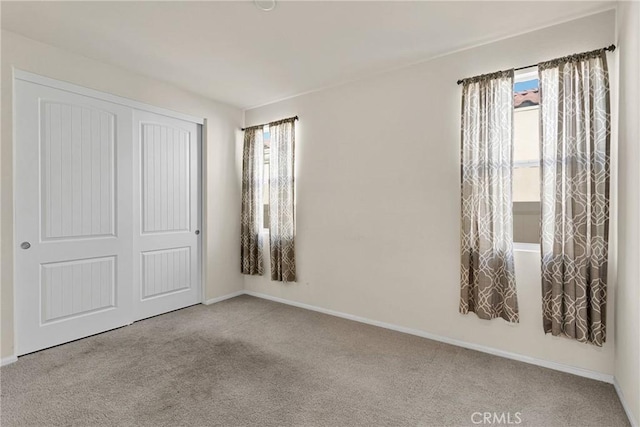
x: 487, y: 279
x: 282, y: 200
x: 575, y: 134
x: 251, y: 259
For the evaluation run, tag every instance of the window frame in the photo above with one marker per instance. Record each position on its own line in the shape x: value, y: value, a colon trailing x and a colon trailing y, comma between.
x: 266, y: 156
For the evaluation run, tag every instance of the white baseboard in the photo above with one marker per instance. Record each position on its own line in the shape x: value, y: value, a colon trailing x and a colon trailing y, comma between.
x: 223, y: 297
x: 502, y: 353
x: 625, y: 405
x: 8, y: 360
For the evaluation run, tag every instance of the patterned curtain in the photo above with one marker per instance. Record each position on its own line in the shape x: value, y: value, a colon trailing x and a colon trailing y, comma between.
x: 282, y: 224
x: 575, y: 133
x: 251, y: 218
x: 487, y: 280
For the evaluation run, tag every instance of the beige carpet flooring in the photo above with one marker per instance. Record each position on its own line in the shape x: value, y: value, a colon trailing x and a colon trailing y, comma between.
x: 247, y: 361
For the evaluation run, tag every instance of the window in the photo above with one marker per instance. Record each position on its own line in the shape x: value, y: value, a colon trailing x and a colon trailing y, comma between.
x: 265, y: 187
x: 526, y: 159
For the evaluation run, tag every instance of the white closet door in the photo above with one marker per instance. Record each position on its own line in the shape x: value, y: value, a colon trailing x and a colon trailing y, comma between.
x: 73, y: 212
x: 166, y: 224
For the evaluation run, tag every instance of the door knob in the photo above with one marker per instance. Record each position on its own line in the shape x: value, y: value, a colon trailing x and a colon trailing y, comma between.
x: 25, y: 245
x: 197, y: 232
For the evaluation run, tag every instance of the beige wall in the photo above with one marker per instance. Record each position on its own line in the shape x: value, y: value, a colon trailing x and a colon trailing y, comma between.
x: 396, y: 135
x: 222, y: 205
x: 627, y: 362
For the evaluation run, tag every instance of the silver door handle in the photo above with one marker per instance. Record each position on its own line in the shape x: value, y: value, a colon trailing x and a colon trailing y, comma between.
x: 25, y: 245
x: 197, y: 232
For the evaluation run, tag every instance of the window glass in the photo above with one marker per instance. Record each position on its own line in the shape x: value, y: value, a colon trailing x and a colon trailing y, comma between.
x: 526, y: 184
x: 526, y: 161
x: 526, y: 155
x: 265, y: 188
x: 526, y: 93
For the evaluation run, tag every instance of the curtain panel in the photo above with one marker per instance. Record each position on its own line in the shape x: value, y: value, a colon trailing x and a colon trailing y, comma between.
x: 251, y: 259
x: 282, y: 227
x: 487, y: 273
x: 575, y: 171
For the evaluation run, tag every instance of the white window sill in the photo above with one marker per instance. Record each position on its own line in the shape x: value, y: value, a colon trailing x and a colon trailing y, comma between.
x: 526, y: 247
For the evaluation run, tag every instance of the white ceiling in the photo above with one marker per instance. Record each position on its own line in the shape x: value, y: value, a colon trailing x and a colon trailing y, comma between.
x: 235, y: 53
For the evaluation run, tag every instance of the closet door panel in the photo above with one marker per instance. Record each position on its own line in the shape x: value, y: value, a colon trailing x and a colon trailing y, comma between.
x: 166, y: 212
x: 73, y: 232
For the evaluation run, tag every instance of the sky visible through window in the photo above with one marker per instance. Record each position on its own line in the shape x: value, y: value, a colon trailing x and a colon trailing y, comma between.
x: 526, y: 85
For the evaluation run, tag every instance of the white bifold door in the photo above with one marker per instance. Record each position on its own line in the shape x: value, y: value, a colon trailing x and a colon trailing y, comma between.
x: 106, y: 215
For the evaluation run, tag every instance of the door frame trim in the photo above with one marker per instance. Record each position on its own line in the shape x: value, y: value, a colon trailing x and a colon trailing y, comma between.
x: 202, y: 198
x: 27, y: 76
x: 104, y: 96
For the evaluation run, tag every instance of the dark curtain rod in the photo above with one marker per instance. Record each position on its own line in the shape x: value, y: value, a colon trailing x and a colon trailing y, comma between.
x: 276, y: 121
x: 610, y: 48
